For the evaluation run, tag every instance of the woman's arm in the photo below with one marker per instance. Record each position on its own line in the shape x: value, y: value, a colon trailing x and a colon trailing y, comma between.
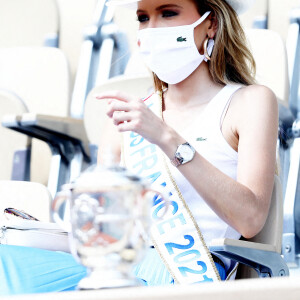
x: 244, y: 203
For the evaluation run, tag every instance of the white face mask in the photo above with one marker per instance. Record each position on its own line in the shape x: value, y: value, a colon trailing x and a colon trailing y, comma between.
x: 171, y: 52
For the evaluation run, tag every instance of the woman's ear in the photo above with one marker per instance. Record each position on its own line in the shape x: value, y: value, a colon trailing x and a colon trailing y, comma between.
x: 212, y: 29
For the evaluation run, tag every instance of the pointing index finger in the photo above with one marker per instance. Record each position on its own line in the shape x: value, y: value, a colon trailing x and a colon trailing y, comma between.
x: 116, y: 95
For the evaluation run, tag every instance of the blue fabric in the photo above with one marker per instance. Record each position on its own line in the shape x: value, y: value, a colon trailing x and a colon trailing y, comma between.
x: 221, y: 271
x: 31, y: 270
x: 25, y: 270
x: 153, y: 272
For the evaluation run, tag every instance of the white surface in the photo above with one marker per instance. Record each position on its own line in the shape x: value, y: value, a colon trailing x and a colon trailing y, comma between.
x: 254, y: 289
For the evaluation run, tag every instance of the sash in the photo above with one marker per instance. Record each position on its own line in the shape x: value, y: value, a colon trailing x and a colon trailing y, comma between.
x: 176, y: 236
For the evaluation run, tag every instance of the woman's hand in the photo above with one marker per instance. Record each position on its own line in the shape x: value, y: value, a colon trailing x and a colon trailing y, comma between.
x: 130, y: 114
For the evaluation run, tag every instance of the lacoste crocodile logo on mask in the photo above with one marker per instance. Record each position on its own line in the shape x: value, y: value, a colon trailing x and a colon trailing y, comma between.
x: 181, y: 39
x: 201, y: 139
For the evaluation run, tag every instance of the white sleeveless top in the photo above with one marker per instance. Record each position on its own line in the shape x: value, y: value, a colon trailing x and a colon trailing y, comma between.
x: 206, y: 137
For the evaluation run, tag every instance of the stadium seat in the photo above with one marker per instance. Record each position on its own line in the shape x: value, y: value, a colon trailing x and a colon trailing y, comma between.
x: 74, y: 16
x: 289, y: 150
x: 263, y: 252
x: 126, y: 19
x: 28, y: 23
x: 67, y: 140
x: 74, y: 143
x: 269, y: 53
x: 95, y: 110
x: 102, y: 53
x: 15, y: 147
x: 256, y: 16
x: 288, y: 13
x: 40, y: 77
x: 280, y: 13
x: 293, y: 49
x: 56, y: 23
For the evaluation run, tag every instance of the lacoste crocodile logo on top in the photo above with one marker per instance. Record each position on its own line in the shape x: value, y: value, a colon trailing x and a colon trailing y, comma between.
x: 181, y: 39
x: 201, y: 139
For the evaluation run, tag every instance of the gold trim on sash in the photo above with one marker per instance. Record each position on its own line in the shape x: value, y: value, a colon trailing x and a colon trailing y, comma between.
x: 164, y: 260
x: 233, y: 271
x: 192, y: 218
x: 184, y: 202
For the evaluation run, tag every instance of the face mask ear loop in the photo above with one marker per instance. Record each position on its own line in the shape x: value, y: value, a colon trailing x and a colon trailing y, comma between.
x: 201, y: 19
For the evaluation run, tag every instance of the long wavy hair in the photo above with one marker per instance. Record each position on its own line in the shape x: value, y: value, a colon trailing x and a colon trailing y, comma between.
x: 231, y: 60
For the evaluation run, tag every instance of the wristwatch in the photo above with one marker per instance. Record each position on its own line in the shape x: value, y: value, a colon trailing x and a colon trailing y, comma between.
x: 184, y: 153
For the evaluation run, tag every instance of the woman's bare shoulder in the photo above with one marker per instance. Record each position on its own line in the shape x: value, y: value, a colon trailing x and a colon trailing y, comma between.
x: 255, y: 95
x: 255, y: 102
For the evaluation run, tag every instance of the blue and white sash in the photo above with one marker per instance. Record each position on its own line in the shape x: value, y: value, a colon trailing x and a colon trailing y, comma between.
x: 176, y: 236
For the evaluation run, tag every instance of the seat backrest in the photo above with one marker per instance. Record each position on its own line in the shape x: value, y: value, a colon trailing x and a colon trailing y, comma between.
x: 33, y: 198
x: 126, y: 20
x: 40, y: 77
x: 95, y: 110
x: 27, y: 23
x: 257, y: 12
x: 271, y: 233
x: 279, y: 14
x: 269, y: 52
x: 11, y: 141
x: 75, y: 15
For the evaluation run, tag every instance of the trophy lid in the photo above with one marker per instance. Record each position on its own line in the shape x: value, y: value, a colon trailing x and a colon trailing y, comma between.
x: 99, y: 178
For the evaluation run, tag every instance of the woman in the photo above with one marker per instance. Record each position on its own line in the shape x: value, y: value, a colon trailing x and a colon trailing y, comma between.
x: 215, y: 128
x: 206, y: 97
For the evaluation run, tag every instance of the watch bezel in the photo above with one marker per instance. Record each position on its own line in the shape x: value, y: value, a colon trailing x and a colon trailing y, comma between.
x: 179, y: 159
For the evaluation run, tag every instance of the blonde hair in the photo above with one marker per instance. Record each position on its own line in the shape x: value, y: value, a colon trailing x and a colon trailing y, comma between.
x: 231, y: 60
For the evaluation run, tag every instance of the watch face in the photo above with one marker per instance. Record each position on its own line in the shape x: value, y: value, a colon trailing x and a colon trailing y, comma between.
x: 186, y: 152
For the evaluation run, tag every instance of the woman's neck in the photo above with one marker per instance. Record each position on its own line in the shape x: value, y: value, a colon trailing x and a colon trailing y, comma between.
x: 198, y: 89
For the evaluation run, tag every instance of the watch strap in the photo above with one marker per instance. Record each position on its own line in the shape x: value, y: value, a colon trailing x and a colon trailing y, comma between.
x: 176, y: 161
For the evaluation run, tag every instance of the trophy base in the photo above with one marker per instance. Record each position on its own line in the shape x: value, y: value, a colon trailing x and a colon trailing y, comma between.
x: 107, y: 280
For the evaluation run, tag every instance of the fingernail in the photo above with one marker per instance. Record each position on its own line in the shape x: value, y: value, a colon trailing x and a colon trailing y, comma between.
x: 98, y: 96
